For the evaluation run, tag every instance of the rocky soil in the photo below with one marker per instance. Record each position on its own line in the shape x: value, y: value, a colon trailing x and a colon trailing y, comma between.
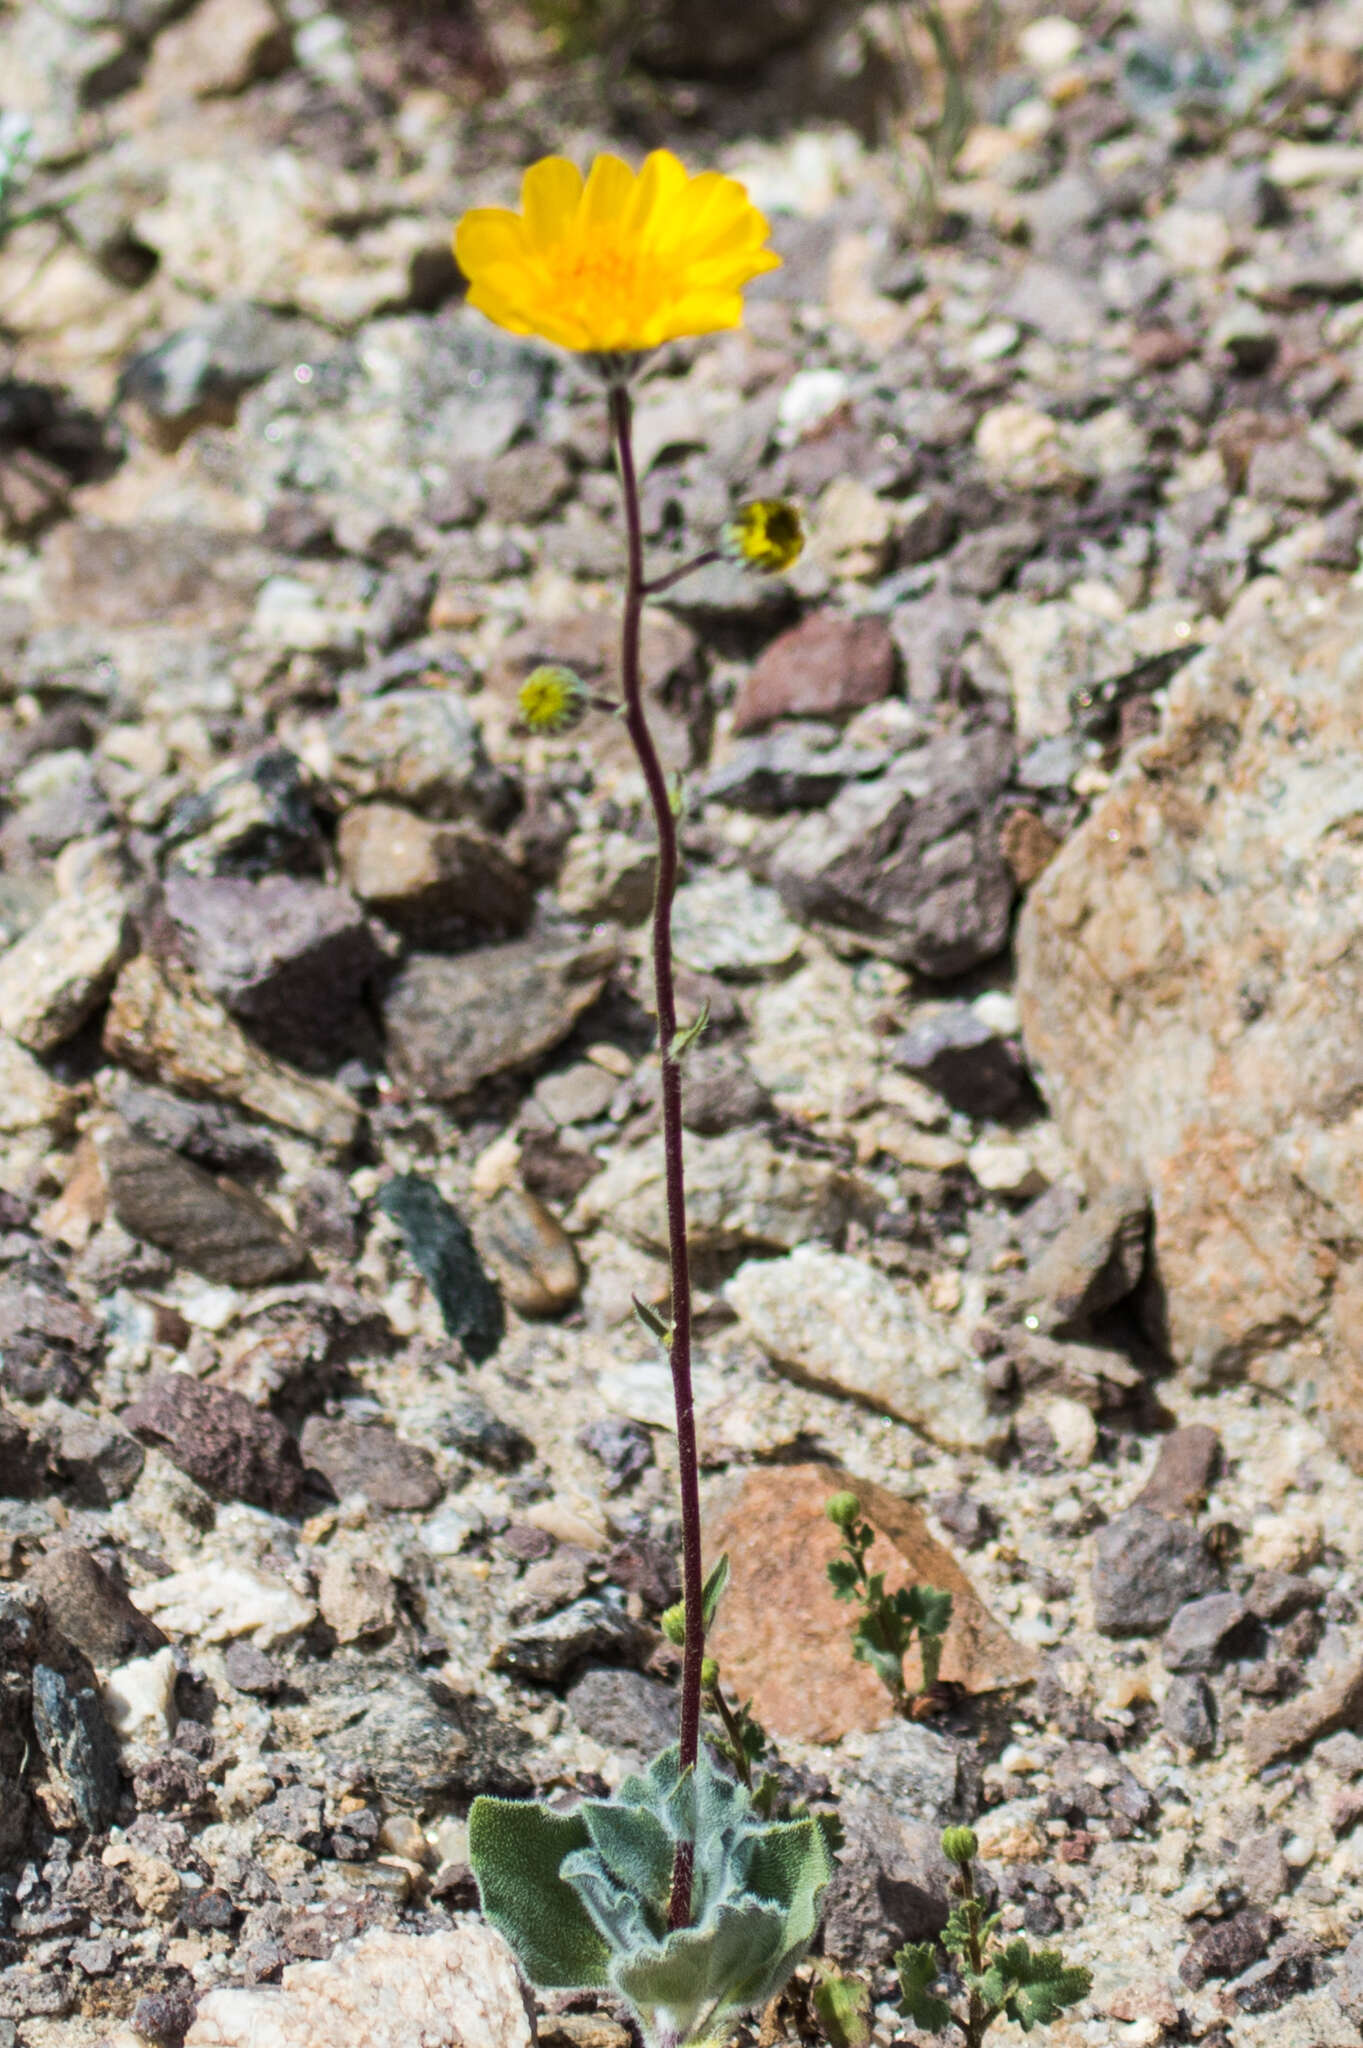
x: 1022, y: 836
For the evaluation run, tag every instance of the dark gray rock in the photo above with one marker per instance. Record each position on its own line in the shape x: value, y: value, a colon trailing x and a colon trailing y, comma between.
x: 359, y: 1457
x: 1091, y: 1782
x: 416, y: 1743
x: 956, y: 1053
x: 49, y: 1341
x: 377, y: 428
x: 1145, y: 1570
x: 545, y: 1651
x: 720, y: 1092
x: 96, y: 1460
x: 251, y: 1671
x: 79, y: 1745
x: 23, y: 1462
x: 469, y: 1425
x: 1228, y: 1947
x: 892, y: 1884
x: 198, y: 375
x: 1092, y: 1262
x: 1203, y: 1632
x: 793, y: 770
x: 1188, y: 1713
x: 931, y: 634
x: 213, y: 1226
x: 233, y: 1450
x: 915, y: 1770
x: 624, y: 1447
x: 982, y: 563
x: 209, y: 1133
x: 288, y: 956
x: 90, y: 1608
x: 1277, y: 1596
x: 624, y: 1711
x: 443, y: 1251
x: 910, y: 863
x: 453, y: 1023
x: 251, y: 818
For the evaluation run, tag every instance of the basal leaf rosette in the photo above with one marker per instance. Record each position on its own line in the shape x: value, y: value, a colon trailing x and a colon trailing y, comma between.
x: 582, y: 1897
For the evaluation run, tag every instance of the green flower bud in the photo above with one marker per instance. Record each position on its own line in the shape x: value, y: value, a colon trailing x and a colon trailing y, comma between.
x: 674, y: 1624
x: 960, y: 1845
x: 709, y: 1674
x: 843, y: 1509
x: 552, y: 698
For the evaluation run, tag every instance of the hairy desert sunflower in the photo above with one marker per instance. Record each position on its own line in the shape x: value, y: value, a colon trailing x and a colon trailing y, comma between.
x: 618, y: 262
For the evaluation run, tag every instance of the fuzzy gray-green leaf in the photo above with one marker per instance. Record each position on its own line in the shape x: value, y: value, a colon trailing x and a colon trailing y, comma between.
x: 517, y: 1849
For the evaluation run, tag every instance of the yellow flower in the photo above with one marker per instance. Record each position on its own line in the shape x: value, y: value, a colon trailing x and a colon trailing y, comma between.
x: 767, y: 533
x: 619, y: 262
x: 552, y: 698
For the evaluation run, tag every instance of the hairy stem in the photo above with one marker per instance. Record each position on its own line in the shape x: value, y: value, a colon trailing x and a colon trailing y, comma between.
x: 679, y: 1909
x: 979, y: 2017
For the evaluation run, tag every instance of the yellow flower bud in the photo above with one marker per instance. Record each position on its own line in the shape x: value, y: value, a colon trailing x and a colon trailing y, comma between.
x: 766, y: 534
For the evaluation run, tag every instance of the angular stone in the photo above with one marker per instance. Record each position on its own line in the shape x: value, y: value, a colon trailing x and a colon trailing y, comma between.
x: 835, y: 1322
x: 90, y: 1608
x: 80, y: 1746
x: 1200, y: 1634
x: 421, y: 748
x: 910, y: 862
x: 23, y: 1462
x: 219, y: 1600
x: 1093, y: 1262
x: 608, y: 876
x: 289, y: 956
x: 449, y: 1990
x: 1188, y: 1461
x: 60, y: 971
x: 531, y: 1253
x: 545, y: 1651
x: 428, y: 879
x: 454, y: 1023
x: 443, y: 1252
x: 160, y: 1024
x: 376, y: 428
x: 1338, y: 1703
x: 725, y: 923
x: 1196, y: 1038
x: 795, y: 769
x: 892, y: 1883
x: 211, y: 1225
x: 780, y: 1541
x: 974, y: 1067
x: 1144, y: 1570
x: 1228, y: 1947
x: 234, y: 1450
x: 357, y: 1598
x: 98, y: 1461
x: 624, y: 1711
x: 740, y: 1190
x: 197, y: 375
x: 252, y: 817
x: 222, y: 47
x: 30, y: 1100
x: 360, y: 1457
x: 826, y: 667
x: 1347, y: 1987
x: 1188, y: 1713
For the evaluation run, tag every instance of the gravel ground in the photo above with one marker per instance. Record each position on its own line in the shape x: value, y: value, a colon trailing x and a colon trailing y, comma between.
x: 335, y: 1474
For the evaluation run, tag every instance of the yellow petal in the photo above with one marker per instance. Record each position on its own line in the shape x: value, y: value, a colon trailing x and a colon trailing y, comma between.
x: 489, y: 234
x: 661, y: 186
x: 608, y: 192
x: 551, y: 191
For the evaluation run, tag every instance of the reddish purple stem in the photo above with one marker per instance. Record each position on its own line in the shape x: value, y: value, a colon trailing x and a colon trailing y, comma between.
x: 679, y: 1910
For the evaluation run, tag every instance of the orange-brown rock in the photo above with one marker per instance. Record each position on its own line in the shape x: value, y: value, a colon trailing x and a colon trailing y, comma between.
x: 782, y: 1639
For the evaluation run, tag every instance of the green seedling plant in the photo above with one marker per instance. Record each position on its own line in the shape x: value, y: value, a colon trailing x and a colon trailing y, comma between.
x: 1000, y: 1979
x: 682, y: 1893
x: 888, y: 1624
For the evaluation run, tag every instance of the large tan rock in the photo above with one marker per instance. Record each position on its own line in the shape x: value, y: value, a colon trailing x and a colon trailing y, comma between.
x: 1191, y: 993
x: 387, y: 1990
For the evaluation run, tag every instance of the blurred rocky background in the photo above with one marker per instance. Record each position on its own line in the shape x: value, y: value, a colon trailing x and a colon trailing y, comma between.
x: 1021, y: 833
